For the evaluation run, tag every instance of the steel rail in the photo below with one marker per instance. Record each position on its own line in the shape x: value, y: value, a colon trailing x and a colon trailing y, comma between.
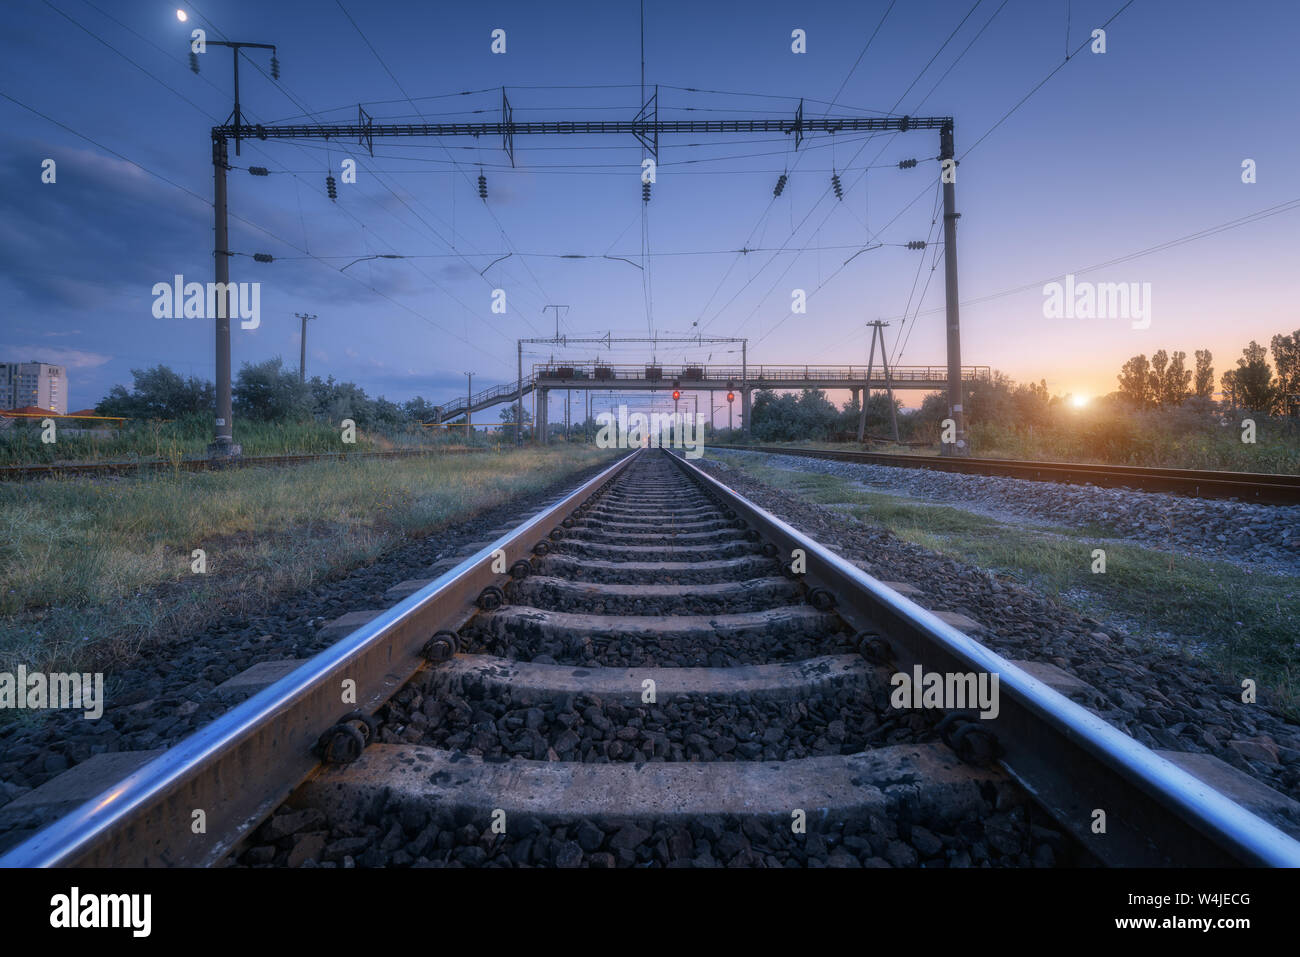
x: 1069, y: 759
x: 1262, y: 488
x: 244, y: 764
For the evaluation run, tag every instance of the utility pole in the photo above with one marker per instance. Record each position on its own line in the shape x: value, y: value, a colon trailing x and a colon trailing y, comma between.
x: 744, y: 386
x: 302, y: 354
x: 223, y: 439
x: 877, y: 332
x: 519, y: 399
x: 948, y: 166
x: 469, y: 398
x: 557, y: 317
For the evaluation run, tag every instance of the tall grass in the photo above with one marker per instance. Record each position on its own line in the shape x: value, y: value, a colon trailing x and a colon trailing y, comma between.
x: 188, y: 438
x: 1173, y: 438
x: 93, y: 570
x: 1182, y: 438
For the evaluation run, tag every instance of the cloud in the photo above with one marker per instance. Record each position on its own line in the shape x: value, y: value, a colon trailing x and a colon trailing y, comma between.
x: 71, y: 358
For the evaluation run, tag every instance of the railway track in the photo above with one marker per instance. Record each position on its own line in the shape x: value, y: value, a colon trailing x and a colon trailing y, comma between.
x: 1261, y: 488
x: 15, y: 473
x: 655, y: 671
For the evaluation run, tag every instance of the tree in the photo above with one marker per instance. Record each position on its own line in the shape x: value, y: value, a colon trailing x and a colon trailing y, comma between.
x: 335, y: 401
x: 1252, y: 380
x: 385, y: 413
x: 1135, y: 382
x: 159, y: 393
x: 1204, y: 386
x: 267, y: 391
x: 1286, y: 356
x: 1159, y: 360
x: 782, y: 418
x: 509, y: 416
x: 418, y: 410
x: 991, y: 402
x: 1032, y: 403
x: 1172, y: 381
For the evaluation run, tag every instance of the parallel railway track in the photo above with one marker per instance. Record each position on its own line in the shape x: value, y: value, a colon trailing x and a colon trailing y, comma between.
x: 651, y: 652
x: 1261, y: 488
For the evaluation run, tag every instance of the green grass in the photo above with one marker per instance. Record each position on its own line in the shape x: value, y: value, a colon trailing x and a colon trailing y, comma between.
x: 94, y: 571
x: 1162, y: 439
x: 1243, y: 624
x: 21, y: 444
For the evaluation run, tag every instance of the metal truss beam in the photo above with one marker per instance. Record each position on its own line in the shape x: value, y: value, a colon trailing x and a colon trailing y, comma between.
x: 634, y: 127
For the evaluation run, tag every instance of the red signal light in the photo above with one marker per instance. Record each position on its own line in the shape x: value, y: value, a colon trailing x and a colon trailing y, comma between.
x: 731, y: 397
x: 676, y: 395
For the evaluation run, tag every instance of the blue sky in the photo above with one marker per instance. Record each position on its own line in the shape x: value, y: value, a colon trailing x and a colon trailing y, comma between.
x: 1116, y: 153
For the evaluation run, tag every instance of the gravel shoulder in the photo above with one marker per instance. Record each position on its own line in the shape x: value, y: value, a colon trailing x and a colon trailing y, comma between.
x: 169, y: 691
x: 1160, y: 696
x: 1266, y: 537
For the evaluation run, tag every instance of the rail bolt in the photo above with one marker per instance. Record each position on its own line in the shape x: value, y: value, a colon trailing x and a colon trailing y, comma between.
x: 976, y: 745
x: 367, y: 724
x: 341, y: 744
x: 557, y: 534
x: 753, y: 535
x: 768, y: 550
x: 568, y: 523
x: 541, y: 548
x: 521, y: 569
x: 964, y: 732
x: 821, y: 599
x: 874, y: 648
x: 441, y: 646
x: 491, y: 598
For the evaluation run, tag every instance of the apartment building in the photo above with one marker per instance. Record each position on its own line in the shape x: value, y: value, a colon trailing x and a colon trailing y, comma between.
x: 33, y: 383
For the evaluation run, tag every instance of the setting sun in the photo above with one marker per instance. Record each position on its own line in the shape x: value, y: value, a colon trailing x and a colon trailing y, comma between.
x: 1079, y: 401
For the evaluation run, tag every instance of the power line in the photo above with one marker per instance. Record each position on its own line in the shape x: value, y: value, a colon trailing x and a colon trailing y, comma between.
x: 826, y: 192
x: 297, y: 102
x: 1290, y: 205
x: 1037, y: 86
x: 505, y: 237
x: 207, y: 203
x: 214, y: 119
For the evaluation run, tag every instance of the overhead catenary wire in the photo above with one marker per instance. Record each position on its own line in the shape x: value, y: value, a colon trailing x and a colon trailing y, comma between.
x: 505, y: 237
x: 647, y: 254
x: 284, y: 89
x: 203, y: 200
x: 177, y: 93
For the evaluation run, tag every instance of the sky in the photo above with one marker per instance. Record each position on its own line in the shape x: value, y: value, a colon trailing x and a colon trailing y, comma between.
x: 1113, y: 154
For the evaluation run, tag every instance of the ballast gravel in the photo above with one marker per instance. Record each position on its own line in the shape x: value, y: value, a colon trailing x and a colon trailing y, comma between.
x: 1158, y: 696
